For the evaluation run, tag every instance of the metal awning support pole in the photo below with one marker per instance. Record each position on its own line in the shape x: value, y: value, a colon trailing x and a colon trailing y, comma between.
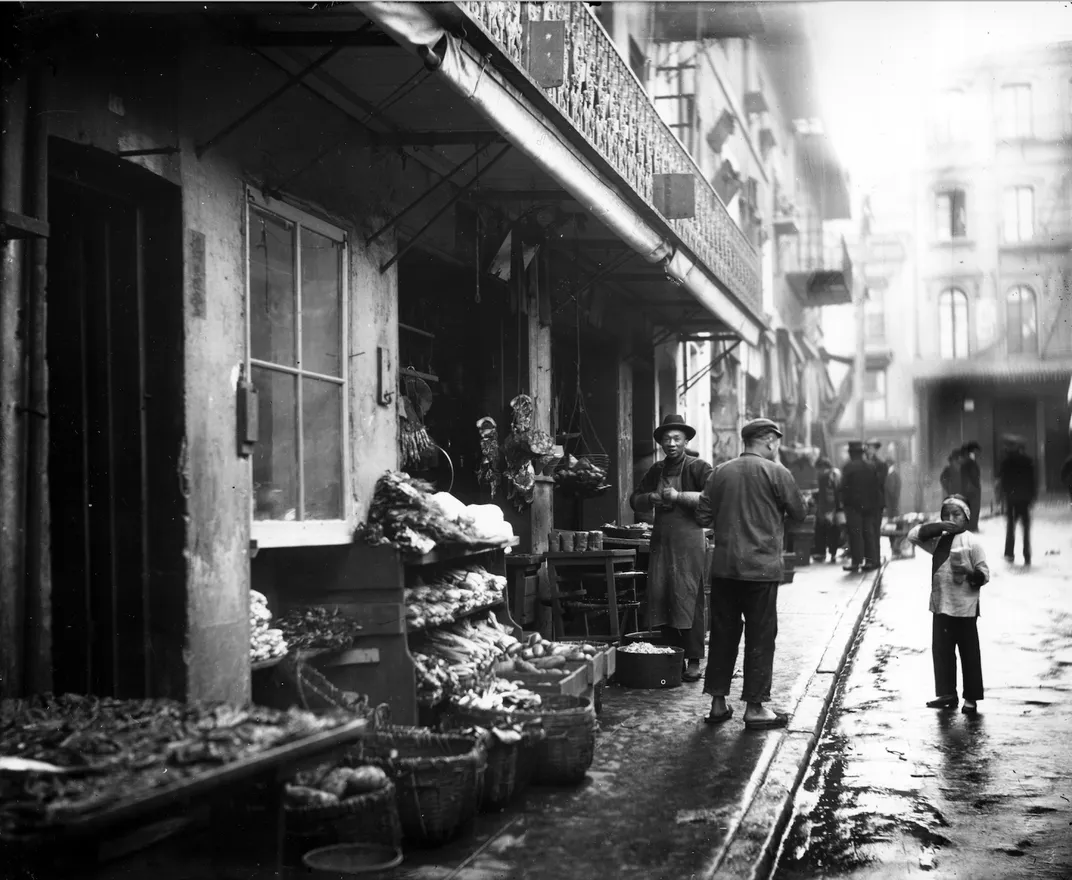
x: 442, y: 180
x: 691, y: 381
x: 605, y: 271
x: 460, y: 194
x: 291, y: 81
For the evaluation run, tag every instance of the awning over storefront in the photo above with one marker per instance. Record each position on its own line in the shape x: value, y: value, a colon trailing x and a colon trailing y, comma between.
x: 533, y: 134
x: 995, y: 372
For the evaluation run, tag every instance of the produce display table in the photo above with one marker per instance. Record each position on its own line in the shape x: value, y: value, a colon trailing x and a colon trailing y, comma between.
x: 607, y: 563
x: 151, y: 815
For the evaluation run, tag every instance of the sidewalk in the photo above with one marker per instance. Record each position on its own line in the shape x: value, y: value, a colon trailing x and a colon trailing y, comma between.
x: 668, y: 796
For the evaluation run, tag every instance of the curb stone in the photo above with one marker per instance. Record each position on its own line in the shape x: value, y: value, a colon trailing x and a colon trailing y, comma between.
x: 751, y: 848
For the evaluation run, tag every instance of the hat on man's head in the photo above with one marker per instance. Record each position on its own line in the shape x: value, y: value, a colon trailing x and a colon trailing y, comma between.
x: 856, y: 446
x: 971, y: 446
x: 673, y: 422
x: 874, y: 443
x: 757, y: 426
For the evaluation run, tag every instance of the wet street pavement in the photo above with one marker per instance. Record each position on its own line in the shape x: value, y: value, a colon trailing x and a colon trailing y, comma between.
x: 896, y: 789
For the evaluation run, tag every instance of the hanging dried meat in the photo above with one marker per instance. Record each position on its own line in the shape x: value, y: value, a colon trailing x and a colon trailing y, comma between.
x: 489, y: 474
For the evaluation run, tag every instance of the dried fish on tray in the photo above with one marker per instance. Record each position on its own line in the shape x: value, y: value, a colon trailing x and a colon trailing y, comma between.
x: 123, y: 758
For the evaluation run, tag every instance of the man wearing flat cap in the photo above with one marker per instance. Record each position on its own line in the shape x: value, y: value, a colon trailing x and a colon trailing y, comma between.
x: 862, y: 498
x: 746, y: 501
x: 675, y: 573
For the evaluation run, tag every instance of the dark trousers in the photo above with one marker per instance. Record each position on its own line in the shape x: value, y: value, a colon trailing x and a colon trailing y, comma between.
x: 1017, y: 510
x: 827, y: 537
x: 863, y: 527
x: 750, y: 607
x: 948, y: 636
x: 691, y: 640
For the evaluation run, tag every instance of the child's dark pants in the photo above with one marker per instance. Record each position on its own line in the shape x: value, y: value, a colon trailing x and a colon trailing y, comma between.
x: 949, y: 635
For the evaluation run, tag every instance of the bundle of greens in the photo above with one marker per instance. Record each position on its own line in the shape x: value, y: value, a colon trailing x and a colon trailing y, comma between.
x: 403, y: 514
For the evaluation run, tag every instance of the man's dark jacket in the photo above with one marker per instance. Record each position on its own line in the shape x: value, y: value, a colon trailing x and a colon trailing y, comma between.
x: 1017, y: 478
x: 860, y: 487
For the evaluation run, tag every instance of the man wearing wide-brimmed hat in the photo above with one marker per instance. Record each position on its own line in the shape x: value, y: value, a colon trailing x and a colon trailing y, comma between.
x: 1016, y: 489
x: 862, y: 498
x: 671, y: 488
x: 971, y: 480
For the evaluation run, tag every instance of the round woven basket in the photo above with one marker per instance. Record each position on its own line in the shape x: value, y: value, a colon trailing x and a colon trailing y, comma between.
x: 568, y: 746
x: 365, y: 818
x: 439, y: 778
x: 510, y: 765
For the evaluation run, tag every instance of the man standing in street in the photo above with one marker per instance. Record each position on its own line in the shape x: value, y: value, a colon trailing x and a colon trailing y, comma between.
x: 746, y: 501
x: 892, y: 507
x: 862, y: 499
x: 1017, y: 489
x: 882, y: 468
x: 971, y: 481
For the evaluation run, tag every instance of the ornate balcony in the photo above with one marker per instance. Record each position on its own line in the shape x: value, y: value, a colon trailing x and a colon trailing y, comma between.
x: 820, y: 273
x: 606, y: 105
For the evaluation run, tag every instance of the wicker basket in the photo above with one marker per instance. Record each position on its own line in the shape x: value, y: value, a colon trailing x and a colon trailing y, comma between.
x: 568, y: 746
x: 365, y: 818
x: 510, y: 765
x: 438, y: 778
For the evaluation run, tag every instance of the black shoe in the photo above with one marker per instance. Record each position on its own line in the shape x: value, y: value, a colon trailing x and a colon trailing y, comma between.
x: 870, y: 567
x: 1027, y: 560
x: 851, y: 569
x: 943, y: 703
x: 1009, y: 558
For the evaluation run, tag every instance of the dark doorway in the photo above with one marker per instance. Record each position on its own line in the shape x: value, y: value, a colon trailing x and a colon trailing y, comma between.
x: 115, y: 396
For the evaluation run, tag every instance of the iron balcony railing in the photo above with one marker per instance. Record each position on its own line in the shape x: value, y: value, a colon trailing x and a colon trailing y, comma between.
x: 817, y: 252
x: 606, y: 104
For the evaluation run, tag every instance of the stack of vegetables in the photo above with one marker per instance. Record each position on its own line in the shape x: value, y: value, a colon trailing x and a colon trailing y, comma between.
x: 264, y: 643
x: 406, y: 514
x: 318, y: 627
x: 453, y: 658
x: 537, y: 655
x: 580, y: 477
x: 451, y: 593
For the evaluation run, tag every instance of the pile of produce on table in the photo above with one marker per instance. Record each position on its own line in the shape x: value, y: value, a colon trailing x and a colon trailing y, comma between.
x: 536, y: 655
x: 645, y: 648
x: 328, y: 784
x: 580, y: 477
x: 318, y: 627
x: 452, y: 658
x: 405, y: 513
x: 500, y: 695
x: 451, y: 593
x: 65, y: 757
x: 264, y: 643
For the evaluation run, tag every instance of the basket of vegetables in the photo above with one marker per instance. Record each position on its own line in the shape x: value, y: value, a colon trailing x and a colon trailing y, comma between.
x: 332, y: 804
x: 438, y: 778
x: 566, y: 751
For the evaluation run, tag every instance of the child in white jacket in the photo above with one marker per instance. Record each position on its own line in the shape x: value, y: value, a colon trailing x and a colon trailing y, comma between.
x: 958, y: 570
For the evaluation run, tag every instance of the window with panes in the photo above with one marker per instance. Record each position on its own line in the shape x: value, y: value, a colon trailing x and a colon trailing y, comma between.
x: 1018, y: 213
x: 951, y: 215
x: 1021, y: 323
x: 952, y: 324
x: 875, y: 394
x: 297, y: 362
x: 1014, y: 111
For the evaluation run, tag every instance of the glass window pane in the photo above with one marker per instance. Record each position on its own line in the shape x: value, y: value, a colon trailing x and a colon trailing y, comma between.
x: 1011, y: 223
x: 321, y: 296
x: 271, y: 289
x: 942, y: 221
x: 1026, y: 212
x: 960, y: 326
x: 1028, y: 321
x: 322, y: 436
x: 958, y: 213
x: 275, y: 455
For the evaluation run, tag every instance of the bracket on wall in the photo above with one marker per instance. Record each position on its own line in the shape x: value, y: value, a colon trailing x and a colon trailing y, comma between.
x: 13, y: 225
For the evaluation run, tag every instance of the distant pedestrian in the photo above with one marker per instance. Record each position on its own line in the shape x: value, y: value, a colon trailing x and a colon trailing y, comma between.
x: 882, y: 468
x: 827, y: 502
x: 958, y: 570
x: 892, y: 508
x: 671, y: 488
x: 861, y: 496
x: 1017, y: 490
x: 746, y: 501
x: 950, y: 478
x: 971, y: 483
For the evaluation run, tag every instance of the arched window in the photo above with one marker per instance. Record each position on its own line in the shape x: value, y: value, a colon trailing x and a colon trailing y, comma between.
x: 953, y: 324
x: 1021, y: 324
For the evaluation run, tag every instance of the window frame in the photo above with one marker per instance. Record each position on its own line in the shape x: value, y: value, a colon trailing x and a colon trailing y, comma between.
x: 1010, y: 128
x: 878, y: 395
x: 1017, y: 190
x: 1022, y: 349
x: 304, y: 533
x: 952, y: 293
x: 875, y: 313
x: 946, y: 231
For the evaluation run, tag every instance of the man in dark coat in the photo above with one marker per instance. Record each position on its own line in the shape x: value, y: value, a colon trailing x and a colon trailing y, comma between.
x: 1017, y: 488
x: 861, y: 496
x: 882, y: 469
x: 971, y: 481
x: 676, y: 571
x: 827, y: 531
x: 746, y: 501
x: 950, y: 478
